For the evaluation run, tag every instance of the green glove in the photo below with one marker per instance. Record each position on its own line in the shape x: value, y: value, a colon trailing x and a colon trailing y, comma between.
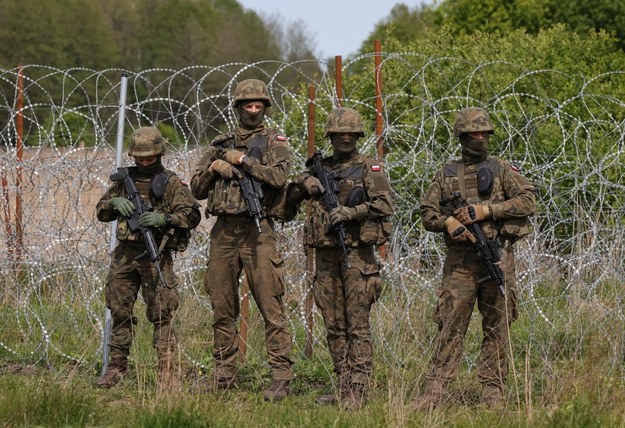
x: 340, y: 214
x: 152, y: 219
x: 123, y: 206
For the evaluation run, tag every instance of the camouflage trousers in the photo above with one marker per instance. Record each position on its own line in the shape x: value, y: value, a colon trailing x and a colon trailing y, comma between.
x: 236, y: 246
x: 129, y: 274
x: 344, y: 297
x: 460, y: 289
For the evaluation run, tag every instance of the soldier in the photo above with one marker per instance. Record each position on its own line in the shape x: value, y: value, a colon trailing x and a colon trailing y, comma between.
x: 501, y: 200
x: 237, y: 243
x: 175, y: 214
x: 345, y: 289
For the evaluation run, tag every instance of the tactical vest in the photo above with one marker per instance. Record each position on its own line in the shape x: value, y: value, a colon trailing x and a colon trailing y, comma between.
x: 481, y: 184
x: 318, y: 230
x: 224, y: 196
x: 153, y: 190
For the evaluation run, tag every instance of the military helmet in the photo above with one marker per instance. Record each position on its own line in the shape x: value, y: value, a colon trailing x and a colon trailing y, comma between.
x: 344, y: 120
x: 472, y: 119
x: 145, y: 142
x: 251, y: 90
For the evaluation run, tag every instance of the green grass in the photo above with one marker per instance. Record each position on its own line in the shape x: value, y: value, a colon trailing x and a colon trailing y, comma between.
x: 66, y: 397
x: 569, y: 373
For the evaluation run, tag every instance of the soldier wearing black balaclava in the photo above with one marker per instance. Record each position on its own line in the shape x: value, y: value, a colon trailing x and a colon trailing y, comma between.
x: 500, y: 199
x: 236, y: 244
x: 175, y: 213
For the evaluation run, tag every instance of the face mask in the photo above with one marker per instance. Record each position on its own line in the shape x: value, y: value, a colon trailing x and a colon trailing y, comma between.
x: 148, y: 171
x: 474, y: 150
x: 250, y: 120
x: 343, y: 143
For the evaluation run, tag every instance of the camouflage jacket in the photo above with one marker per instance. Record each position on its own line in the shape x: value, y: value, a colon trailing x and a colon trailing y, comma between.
x: 511, y: 198
x: 176, y: 200
x: 223, y: 196
x: 359, y: 170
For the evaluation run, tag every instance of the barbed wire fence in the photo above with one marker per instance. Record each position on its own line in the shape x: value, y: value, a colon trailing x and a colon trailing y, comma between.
x: 52, y: 283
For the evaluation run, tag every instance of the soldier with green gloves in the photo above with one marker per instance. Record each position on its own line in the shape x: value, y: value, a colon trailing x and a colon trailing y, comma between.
x: 500, y: 200
x: 244, y: 241
x: 175, y: 213
x: 345, y: 288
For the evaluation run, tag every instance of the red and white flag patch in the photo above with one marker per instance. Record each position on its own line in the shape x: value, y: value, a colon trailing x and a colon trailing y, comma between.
x: 280, y: 137
x: 376, y: 168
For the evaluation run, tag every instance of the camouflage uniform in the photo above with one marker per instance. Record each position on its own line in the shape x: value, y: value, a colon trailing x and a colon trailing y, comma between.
x: 345, y: 295
x: 510, y: 200
x: 237, y: 245
x: 131, y: 270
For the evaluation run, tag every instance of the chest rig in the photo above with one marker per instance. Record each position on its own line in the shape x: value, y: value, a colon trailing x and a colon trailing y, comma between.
x: 318, y: 229
x: 224, y: 197
x: 152, y: 190
x: 478, y: 184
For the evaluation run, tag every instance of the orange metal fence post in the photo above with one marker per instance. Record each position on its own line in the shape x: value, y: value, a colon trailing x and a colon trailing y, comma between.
x: 245, y: 317
x: 338, y: 74
x: 6, y: 205
x: 310, y: 252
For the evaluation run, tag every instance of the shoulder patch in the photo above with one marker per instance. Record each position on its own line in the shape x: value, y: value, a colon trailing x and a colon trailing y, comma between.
x: 184, y: 183
x: 280, y: 137
x: 515, y: 168
x: 376, y: 168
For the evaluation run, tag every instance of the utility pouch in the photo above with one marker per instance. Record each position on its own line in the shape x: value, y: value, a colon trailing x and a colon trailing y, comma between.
x: 485, y: 181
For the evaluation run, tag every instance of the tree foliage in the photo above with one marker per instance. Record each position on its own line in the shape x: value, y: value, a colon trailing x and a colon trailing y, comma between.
x: 403, y: 24
x: 582, y: 17
x: 579, y: 16
x: 134, y: 34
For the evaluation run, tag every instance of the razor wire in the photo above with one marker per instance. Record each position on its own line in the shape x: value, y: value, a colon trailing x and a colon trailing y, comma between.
x: 54, y: 281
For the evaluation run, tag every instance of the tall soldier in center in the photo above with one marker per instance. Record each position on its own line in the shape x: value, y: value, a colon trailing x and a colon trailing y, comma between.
x: 242, y: 239
x: 347, y: 273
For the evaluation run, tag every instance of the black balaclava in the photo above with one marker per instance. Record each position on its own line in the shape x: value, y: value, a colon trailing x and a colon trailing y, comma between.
x: 149, y: 171
x: 473, y: 151
x: 248, y: 120
x: 344, y: 145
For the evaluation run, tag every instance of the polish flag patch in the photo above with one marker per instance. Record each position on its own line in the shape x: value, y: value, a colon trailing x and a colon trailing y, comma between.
x: 184, y: 183
x: 376, y: 168
x: 280, y: 137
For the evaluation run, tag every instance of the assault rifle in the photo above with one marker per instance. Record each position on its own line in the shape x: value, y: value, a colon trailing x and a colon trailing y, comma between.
x: 251, y: 188
x: 329, y: 181
x: 141, y: 207
x: 487, y: 250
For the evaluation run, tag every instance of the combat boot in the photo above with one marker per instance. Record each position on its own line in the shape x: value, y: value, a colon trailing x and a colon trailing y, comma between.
x: 492, y: 396
x: 432, y: 397
x: 115, y: 372
x: 333, y: 398
x: 278, y: 391
x: 353, y: 397
x: 211, y: 384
